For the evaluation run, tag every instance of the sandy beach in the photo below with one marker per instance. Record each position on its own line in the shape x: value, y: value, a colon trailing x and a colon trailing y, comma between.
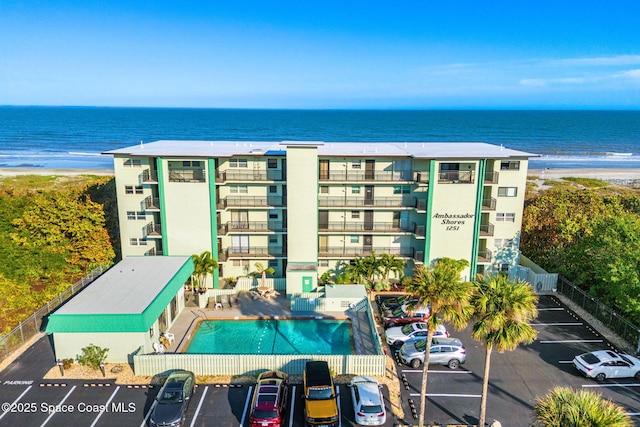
x: 9, y: 172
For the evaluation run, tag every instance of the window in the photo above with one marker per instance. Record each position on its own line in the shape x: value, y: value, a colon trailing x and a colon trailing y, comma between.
x: 503, y: 243
x: 449, y: 166
x: 272, y: 163
x: 401, y: 189
x: 130, y: 163
x: 355, y: 239
x: 273, y: 189
x: 323, y: 263
x: 273, y: 214
x: 273, y: 239
x: 240, y: 263
x: 510, y: 166
x: 238, y: 189
x: 504, y: 267
x: 506, y: 217
x: 356, y: 164
x: 355, y: 214
x: 273, y: 263
x: 324, y: 189
x: 238, y: 163
x: 507, y: 191
x: 136, y: 215
x: 151, y: 332
x: 355, y: 189
x: 135, y: 241
x: 130, y: 189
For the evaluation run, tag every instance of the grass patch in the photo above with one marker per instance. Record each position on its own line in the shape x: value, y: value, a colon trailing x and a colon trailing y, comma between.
x: 587, y: 182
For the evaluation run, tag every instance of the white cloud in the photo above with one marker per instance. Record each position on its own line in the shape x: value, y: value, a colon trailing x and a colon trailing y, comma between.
x: 601, y: 60
x: 556, y: 81
x: 630, y: 74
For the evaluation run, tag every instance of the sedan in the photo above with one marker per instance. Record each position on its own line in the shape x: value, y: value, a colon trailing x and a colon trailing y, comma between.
x: 397, y: 335
x: 173, y: 400
x: 368, y: 404
x: 604, y: 364
x: 395, y: 302
x: 402, y: 316
x: 269, y: 400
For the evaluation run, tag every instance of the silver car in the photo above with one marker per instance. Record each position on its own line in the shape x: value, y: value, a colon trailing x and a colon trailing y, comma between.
x: 398, y: 335
x: 444, y: 351
x: 604, y: 364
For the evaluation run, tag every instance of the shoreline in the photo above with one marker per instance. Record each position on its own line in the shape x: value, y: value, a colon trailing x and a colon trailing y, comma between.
x: 11, y: 172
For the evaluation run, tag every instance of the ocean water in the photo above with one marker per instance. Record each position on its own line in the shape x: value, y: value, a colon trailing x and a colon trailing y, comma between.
x: 75, y: 137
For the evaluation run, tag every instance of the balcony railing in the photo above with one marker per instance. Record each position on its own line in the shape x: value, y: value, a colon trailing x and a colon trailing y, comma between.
x: 491, y: 177
x: 187, y: 175
x: 251, y: 226
x: 456, y: 177
x: 421, y: 205
x: 360, y: 202
x: 489, y: 204
x: 484, y: 256
x: 252, y: 252
x: 380, y: 227
x: 263, y: 175
x: 486, y: 229
x: 152, y: 203
x: 352, y: 252
x: 150, y: 176
x: 422, y: 177
x: 252, y: 201
x: 153, y: 230
x: 153, y: 252
x: 354, y: 176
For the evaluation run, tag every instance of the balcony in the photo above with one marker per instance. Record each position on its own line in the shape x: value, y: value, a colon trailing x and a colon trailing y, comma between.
x: 362, y: 227
x: 152, y: 203
x: 456, y: 177
x: 491, y: 177
x: 484, y: 256
x: 421, y: 177
x: 150, y: 176
x: 187, y: 175
x: 486, y: 229
x: 353, y: 252
x: 489, y: 204
x: 250, y: 176
x: 251, y: 227
x: 252, y: 252
x: 359, y: 202
x: 153, y: 252
x: 153, y: 230
x: 252, y: 201
x: 379, y: 176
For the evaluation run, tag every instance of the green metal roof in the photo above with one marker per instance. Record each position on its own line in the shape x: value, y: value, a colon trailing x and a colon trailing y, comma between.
x: 129, y: 297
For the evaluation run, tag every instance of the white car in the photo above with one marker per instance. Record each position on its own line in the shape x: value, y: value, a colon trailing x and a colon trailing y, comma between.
x: 368, y: 403
x: 398, y: 335
x: 604, y: 364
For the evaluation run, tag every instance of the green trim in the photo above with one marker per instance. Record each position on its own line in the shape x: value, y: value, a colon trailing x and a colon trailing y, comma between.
x: 213, y: 217
x: 129, y: 322
x: 163, y: 207
x: 482, y: 165
x: 427, y: 228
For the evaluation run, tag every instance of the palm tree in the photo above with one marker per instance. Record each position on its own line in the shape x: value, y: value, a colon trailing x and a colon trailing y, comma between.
x: 565, y: 407
x: 203, y: 265
x: 503, y: 309
x: 364, y: 269
x: 449, y: 297
x: 391, y: 264
x: 261, y: 271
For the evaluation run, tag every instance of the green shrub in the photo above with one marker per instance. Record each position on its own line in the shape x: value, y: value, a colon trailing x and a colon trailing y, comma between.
x: 93, y: 356
x: 67, y: 363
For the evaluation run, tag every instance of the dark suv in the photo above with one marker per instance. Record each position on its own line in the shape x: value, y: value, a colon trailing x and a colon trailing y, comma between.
x: 320, y: 402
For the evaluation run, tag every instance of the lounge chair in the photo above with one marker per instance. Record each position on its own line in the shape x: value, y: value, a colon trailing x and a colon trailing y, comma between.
x: 169, y: 336
x: 158, y: 348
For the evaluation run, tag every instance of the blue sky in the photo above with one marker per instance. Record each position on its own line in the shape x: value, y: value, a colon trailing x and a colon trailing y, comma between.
x: 321, y: 54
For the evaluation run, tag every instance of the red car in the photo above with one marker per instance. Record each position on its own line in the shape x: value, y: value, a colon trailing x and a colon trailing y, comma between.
x: 269, y: 400
x: 401, y: 316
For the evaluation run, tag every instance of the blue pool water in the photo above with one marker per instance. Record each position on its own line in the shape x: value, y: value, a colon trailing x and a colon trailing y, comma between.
x: 303, y: 336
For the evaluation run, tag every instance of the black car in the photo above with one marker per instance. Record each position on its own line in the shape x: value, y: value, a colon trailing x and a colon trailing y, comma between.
x: 173, y: 400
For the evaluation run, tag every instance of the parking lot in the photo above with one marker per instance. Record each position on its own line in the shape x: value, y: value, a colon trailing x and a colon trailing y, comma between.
x: 453, y: 396
x: 518, y: 377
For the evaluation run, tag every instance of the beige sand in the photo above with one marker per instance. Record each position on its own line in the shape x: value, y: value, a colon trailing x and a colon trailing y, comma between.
x: 596, y: 173
x: 7, y: 172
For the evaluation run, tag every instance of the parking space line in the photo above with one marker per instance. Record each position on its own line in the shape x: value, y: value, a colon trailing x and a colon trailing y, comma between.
x: 567, y: 341
x: 146, y: 417
x: 558, y: 324
x: 293, y: 397
x: 59, y: 404
x: 14, y: 402
x: 565, y: 361
x: 105, y: 406
x: 447, y: 395
x: 339, y: 411
x: 246, y: 406
x: 609, y: 385
x: 458, y: 371
x: 633, y: 414
x: 551, y: 309
x: 195, y: 416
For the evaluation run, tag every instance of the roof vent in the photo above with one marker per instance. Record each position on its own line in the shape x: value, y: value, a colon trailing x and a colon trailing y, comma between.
x: 257, y: 150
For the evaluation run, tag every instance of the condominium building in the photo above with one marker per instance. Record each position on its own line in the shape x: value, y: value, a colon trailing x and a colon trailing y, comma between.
x: 304, y: 208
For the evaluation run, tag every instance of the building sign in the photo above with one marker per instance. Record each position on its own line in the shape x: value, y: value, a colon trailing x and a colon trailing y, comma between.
x: 453, y: 221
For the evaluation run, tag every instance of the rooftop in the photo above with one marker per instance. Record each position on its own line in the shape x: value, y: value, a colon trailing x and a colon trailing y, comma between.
x: 426, y: 150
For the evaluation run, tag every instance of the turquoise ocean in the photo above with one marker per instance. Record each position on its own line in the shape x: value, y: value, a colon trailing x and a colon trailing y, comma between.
x: 75, y: 137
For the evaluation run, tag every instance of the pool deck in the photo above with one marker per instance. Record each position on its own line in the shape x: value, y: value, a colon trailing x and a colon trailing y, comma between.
x: 247, y: 307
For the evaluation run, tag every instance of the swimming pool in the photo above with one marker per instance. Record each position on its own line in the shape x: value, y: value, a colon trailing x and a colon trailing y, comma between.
x: 273, y: 336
